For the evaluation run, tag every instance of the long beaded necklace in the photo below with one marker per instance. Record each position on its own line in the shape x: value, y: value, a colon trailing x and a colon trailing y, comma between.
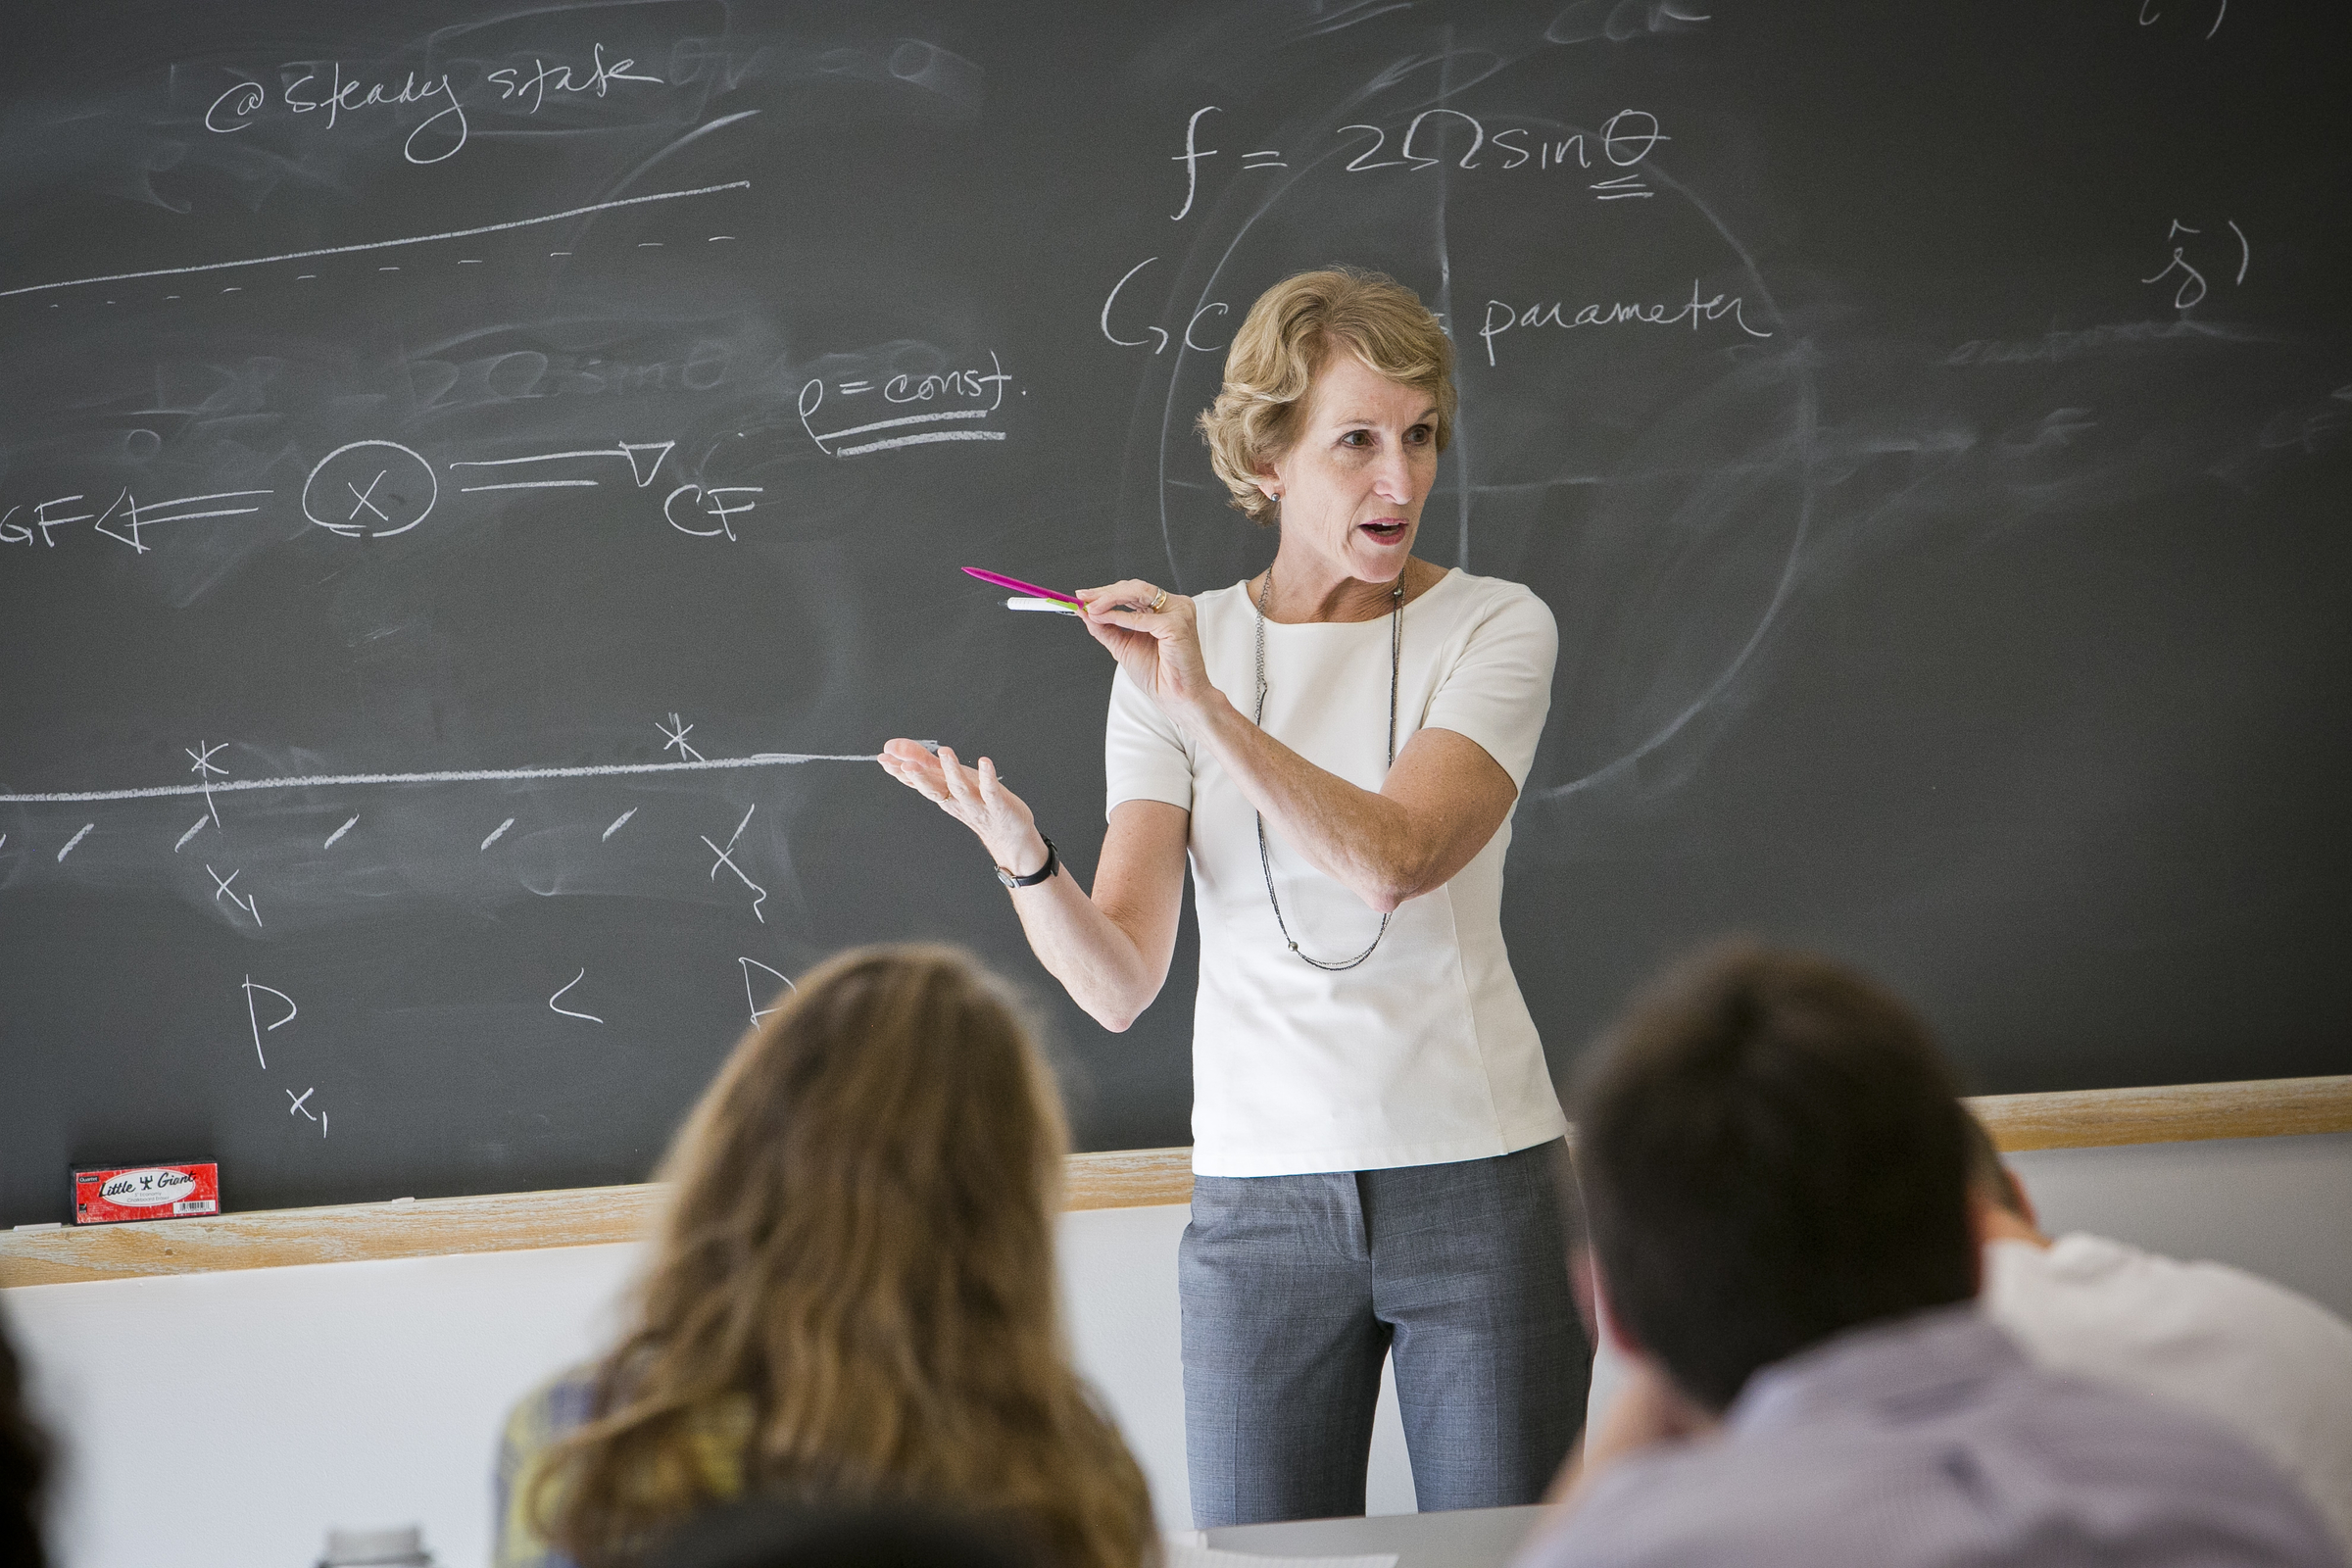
x: 1266, y: 858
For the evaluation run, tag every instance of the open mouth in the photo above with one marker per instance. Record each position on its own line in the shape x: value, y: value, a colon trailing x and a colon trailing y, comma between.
x: 1387, y: 530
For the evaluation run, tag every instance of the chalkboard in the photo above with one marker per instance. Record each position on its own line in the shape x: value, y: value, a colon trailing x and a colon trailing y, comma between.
x: 475, y: 482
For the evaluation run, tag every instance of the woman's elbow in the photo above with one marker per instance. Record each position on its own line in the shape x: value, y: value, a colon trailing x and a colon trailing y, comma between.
x: 1383, y: 887
x: 1118, y: 1011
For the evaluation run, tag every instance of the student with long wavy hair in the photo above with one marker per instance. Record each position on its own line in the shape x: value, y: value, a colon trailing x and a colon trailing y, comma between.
x: 851, y: 1297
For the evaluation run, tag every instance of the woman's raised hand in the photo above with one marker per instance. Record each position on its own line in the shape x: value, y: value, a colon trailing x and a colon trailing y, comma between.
x: 973, y: 797
x: 1153, y: 635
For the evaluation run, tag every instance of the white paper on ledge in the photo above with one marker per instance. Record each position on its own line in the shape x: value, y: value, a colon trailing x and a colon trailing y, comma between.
x: 1183, y: 1554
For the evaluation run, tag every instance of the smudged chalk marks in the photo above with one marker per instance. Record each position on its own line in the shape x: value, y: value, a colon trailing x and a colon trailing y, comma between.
x: 253, y: 1015
x: 559, y: 995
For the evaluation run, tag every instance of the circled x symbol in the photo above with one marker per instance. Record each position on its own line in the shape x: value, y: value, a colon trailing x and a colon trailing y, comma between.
x: 369, y: 490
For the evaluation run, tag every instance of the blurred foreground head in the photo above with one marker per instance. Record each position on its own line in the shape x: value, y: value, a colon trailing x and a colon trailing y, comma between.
x: 853, y: 1297
x: 1772, y: 1151
x: 771, y: 1534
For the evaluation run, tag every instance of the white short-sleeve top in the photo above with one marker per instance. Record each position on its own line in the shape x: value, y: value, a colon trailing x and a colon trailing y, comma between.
x: 1424, y: 1053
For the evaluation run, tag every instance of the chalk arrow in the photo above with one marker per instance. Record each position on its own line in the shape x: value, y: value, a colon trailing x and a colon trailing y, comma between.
x: 652, y: 465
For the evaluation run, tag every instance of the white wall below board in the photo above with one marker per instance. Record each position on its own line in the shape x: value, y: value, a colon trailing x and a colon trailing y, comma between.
x: 228, y: 1420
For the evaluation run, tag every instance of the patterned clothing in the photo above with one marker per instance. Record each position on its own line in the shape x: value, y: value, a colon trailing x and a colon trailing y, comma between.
x: 555, y: 1408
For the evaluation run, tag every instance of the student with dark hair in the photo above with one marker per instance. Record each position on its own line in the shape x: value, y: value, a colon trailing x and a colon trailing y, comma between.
x: 23, y: 1466
x: 1775, y: 1169
x: 2273, y: 1366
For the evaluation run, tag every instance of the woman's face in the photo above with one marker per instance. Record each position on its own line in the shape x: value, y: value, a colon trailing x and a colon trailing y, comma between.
x: 1353, y: 484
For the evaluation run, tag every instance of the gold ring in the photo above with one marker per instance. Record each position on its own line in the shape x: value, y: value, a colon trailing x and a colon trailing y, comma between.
x: 1153, y: 609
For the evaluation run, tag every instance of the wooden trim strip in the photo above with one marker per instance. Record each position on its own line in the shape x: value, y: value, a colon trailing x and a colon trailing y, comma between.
x: 2175, y: 1113
x: 587, y: 1217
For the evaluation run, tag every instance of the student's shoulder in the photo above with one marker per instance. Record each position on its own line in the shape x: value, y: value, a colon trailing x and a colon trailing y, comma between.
x: 2095, y: 1430
x: 551, y: 1408
x: 2229, y: 1301
x: 1727, y: 1503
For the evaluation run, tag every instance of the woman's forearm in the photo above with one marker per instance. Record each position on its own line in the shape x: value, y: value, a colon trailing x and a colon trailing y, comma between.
x: 1104, y: 968
x: 1369, y: 844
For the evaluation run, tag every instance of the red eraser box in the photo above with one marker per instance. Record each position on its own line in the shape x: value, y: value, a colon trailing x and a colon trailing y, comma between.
x: 145, y: 1192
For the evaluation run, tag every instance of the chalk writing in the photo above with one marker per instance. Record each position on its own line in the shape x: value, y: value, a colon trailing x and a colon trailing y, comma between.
x: 748, y: 998
x: 460, y: 775
x: 1625, y: 139
x: 1697, y: 311
x: 126, y: 513
x: 253, y: 1015
x: 711, y: 501
x: 2191, y: 288
x: 389, y: 482
x: 203, y: 767
x: 643, y: 457
x: 224, y: 888
x: 436, y: 136
x: 21, y: 534
x: 559, y: 995
x: 2151, y: 13
x: 726, y: 859
x: 677, y: 731
x: 383, y: 244
x: 905, y: 389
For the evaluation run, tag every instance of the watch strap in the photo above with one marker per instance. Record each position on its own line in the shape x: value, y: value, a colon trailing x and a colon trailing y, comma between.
x: 1043, y: 873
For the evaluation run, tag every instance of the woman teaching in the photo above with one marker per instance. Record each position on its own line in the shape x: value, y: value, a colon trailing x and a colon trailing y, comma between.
x: 1337, y: 745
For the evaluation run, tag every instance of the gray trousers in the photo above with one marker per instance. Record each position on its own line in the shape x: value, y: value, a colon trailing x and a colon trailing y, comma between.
x: 1294, y: 1288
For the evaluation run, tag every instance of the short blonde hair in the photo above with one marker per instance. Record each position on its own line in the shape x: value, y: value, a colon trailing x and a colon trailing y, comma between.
x: 1289, y: 336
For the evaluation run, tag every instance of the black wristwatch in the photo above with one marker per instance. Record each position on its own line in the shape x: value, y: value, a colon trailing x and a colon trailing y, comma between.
x: 1043, y: 873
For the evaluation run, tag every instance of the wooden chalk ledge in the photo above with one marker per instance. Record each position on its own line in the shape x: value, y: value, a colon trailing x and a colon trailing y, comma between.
x: 1129, y: 1178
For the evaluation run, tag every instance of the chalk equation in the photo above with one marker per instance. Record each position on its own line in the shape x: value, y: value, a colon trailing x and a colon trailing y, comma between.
x: 380, y: 489
x: 983, y: 389
x: 1624, y: 140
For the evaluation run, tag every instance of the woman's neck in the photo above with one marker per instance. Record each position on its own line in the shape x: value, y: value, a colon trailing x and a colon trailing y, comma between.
x: 1301, y: 594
